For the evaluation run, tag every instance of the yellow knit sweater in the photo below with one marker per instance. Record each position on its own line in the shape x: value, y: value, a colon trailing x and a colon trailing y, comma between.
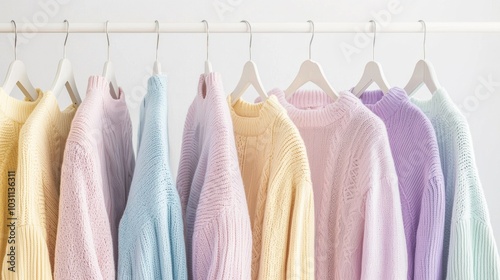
x: 41, y: 146
x: 273, y: 163
x: 13, y: 115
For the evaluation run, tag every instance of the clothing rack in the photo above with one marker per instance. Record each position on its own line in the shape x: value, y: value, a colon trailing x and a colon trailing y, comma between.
x: 257, y: 27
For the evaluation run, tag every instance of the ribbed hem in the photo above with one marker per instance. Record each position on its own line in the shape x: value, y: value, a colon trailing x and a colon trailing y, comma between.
x: 314, y: 108
x: 15, y: 109
x: 384, y: 105
x: 436, y: 105
x: 253, y: 119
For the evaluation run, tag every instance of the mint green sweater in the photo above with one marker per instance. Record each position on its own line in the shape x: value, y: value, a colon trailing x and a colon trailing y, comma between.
x: 469, y: 246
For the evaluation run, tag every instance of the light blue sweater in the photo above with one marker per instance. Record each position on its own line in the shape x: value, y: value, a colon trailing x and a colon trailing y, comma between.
x: 469, y: 246
x: 151, y: 233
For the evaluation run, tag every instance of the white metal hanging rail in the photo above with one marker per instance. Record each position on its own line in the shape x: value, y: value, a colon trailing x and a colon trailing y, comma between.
x: 288, y: 27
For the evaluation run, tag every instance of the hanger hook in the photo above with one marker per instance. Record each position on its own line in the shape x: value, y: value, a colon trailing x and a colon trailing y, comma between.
x: 207, y: 30
x: 157, y: 37
x: 425, y: 33
x: 374, y: 24
x: 312, y: 37
x: 15, y: 38
x: 107, y: 36
x: 66, y: 39
x: 251, y: 35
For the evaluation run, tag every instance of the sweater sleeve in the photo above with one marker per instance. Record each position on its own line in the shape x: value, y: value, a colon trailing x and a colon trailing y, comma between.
x: 30, y: 253
x: 300, y: 262
x: 384, y: 243
x: 84, y: 249
x: 223, y: 248
x: 158, y: 251
x: 430, y: 232
x: 384, y: 247
x: 473, y: 252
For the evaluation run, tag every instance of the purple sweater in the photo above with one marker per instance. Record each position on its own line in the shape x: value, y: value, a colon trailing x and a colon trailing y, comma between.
x: 421, y: 185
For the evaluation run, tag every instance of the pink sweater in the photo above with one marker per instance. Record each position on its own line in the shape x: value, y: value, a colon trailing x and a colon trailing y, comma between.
x: 96, y: 175
x: 218, y: 232
x: 359, y: 225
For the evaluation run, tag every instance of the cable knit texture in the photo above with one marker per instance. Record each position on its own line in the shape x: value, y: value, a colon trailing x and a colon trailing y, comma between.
x: 41, y: 148
x: 359, y: 227
x: 151, y: 239
x: 421, y: 183
x: 277, y: 180
x: 218, y: 232
x: 13, y: 115
x: 96, y: 176
x: 470, y: 250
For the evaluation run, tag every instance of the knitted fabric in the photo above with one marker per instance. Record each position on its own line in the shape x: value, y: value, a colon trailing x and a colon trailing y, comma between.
x: 470, y: 250
x: 151, y: 239
x: 421, y: 184
x: 96, y: 176
x: 218, y: 232
x: 359, y: 228
x: 41, y: 147
x: 13, y: 115
x: 277, y: 181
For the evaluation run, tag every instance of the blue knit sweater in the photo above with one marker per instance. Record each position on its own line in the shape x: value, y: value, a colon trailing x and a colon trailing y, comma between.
x: 151, y: 233
x: 469, y: 245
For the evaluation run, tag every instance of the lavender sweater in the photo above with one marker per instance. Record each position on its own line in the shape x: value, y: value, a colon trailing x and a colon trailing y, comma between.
x: 421, y: 185
x: 216, y: 221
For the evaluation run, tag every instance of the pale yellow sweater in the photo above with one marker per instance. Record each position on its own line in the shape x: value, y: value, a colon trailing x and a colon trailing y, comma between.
x: 13, y: 115
x: 273, y: 163
x: 41, y: 146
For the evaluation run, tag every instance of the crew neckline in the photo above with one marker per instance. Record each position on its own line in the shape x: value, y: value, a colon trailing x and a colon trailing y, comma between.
x: 62, y: 118
x: 434, y: 105
x: 315, y: 108
x: 15, y: 109
x: 206, y: 80
x: 101, y: 84
x: 384, y: 105
x: 254, y: 118
x: 157, y: 88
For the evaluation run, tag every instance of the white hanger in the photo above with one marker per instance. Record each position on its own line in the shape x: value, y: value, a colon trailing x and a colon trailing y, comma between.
x: 208, y: 65
x: 109, y: 71
x: 311, y: 71
x: 64, y: 75
x: 373, y: 72
x: 249, y: 76
x: 157, y: 65
x: 423, y: 73
x: 17, y: 75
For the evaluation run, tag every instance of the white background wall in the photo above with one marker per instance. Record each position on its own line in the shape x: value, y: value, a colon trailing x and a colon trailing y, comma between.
x: 462, y: 61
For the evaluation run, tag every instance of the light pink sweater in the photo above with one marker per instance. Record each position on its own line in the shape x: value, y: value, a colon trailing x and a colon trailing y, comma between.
x: 218, y: 232
x: 359, y: 225
x: 96, y: 176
